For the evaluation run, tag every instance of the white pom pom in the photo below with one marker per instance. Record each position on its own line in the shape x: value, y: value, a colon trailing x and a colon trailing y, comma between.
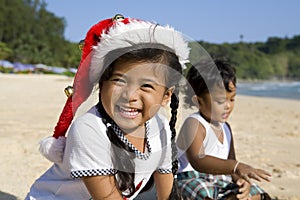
x: 52, y: 148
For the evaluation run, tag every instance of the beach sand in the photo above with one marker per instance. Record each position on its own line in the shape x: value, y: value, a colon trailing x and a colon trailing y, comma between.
x: 266, y: 132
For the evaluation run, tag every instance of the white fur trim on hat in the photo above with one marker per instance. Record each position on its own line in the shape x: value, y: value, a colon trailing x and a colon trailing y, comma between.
x: 122, y: 35
x: 52, y: 148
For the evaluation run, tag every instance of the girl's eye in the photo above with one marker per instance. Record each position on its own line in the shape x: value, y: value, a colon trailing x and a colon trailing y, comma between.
x: 232, y: 99
x: 147, y: 86
x: 119, y: 81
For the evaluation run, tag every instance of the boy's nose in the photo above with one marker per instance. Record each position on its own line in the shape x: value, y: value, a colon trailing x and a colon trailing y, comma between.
x: 227, y: 105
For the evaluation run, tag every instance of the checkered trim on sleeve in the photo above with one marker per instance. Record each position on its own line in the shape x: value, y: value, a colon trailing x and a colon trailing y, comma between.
x: 165, y: 171
x: 92, y: 172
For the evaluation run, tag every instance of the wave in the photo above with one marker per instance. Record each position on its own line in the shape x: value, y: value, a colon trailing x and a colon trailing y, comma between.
x: 290, y: 90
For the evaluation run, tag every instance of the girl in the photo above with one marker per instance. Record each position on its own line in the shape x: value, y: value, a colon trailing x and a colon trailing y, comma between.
x: 207, y: 139
x: 118, y: 146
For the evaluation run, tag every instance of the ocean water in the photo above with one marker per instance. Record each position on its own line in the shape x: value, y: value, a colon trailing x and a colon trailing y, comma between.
x: 288, y: 90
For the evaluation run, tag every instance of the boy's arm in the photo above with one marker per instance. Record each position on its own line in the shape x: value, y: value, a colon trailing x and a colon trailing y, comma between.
x: 191, y: 137
x: 231, y: 154
x: 163, y: 185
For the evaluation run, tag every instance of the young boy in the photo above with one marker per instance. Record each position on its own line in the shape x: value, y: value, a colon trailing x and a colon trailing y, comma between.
x: 208, y: 167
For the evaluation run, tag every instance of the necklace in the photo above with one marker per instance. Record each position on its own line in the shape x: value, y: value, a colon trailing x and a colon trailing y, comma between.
x: 217, y: 127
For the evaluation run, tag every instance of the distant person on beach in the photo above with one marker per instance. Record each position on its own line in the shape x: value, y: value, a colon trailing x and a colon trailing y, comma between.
x: 122, y: 144
x: 208, y: 166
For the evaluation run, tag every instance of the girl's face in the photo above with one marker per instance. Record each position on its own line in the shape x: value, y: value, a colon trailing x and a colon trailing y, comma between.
x: 217, y: 105
x: 133, y: 94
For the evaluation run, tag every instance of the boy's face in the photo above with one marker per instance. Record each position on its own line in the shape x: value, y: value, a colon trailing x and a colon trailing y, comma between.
x: 134, y: 94
x: 230, y: 100
x: 217, y: 105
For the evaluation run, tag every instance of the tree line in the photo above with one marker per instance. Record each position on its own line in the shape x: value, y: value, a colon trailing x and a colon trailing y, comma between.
x: 276, y: 58
x: 31, y: 34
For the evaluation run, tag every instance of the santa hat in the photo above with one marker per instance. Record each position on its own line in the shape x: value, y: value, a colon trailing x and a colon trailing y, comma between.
x: 102, y: 38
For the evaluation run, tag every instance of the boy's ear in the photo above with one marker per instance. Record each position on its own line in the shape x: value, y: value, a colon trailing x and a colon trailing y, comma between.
x: 196, y: 101
x: 167, y: 96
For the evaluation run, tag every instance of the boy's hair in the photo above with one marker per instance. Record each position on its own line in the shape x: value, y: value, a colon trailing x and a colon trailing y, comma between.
x: 158, y: 54
x: 205, y: 75
x: 227, y: 71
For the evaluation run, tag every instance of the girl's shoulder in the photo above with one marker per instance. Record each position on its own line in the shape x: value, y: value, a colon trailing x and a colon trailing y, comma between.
x: 88, y: 124
x: 159, y: 120
x: 92, y: 117
x: 159, y: 125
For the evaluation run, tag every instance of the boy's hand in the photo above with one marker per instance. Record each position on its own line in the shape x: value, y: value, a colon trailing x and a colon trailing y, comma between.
x: 244, y: 189
x: 247, y: 172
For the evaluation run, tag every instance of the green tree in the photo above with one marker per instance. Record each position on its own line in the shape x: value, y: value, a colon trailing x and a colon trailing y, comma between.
x: 4, y: 51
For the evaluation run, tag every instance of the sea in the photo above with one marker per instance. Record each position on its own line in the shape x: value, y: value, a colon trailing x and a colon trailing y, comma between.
x: 287, y: 90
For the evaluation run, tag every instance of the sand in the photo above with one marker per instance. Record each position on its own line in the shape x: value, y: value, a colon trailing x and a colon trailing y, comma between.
x: 266, y: 132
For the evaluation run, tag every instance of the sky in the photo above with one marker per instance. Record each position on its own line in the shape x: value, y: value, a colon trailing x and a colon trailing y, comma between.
x: 214, y: 21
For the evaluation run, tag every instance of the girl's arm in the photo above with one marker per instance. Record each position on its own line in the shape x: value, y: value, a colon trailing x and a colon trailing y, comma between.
x: 163, y: 185
x: 102, y: 187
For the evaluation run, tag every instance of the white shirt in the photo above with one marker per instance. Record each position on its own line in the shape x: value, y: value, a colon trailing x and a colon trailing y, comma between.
x: 211, y: 144
x: 88, y: 152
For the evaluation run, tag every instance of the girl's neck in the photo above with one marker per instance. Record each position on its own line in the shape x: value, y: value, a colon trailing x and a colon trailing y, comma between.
x: 139, y: 132
x: 137, y: 137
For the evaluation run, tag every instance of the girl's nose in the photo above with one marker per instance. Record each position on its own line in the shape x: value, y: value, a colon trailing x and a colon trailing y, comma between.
x: 130, y: 93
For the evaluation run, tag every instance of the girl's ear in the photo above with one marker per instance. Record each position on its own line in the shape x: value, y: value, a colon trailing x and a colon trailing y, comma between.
x: 167, y: 96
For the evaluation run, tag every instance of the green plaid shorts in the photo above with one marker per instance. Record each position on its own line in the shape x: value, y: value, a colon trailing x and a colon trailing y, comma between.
x: 195, y: 185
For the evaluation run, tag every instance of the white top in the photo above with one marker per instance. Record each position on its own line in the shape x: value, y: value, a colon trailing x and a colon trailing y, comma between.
x: 88, y: 152
x: 212, y: 146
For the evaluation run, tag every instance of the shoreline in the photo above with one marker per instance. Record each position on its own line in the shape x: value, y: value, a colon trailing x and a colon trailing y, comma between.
x: 266, y: 133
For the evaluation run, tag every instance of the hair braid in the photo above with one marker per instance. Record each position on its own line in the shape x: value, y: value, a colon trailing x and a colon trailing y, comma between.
x: 175, y: 193
x: 122, y: 160
x: 174, y: 106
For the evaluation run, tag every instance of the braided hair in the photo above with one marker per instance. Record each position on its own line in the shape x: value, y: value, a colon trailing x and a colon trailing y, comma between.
x: 154, y: 53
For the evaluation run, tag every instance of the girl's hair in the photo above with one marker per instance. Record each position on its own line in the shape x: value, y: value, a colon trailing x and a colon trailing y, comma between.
x: 207, y: 74
x: 154, y: 53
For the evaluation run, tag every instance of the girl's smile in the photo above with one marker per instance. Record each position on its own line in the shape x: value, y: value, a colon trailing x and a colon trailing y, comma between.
x: 128, y: 112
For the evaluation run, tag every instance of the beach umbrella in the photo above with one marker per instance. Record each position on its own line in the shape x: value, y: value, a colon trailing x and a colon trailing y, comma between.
x: 18, y: 67
x: 29, y: 67
x: 73, y: 70
x: 6, y: 64
x: 41, y: 66
x: 57, y: 70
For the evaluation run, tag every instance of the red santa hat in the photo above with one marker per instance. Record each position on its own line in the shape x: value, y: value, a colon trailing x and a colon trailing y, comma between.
x: 103, y: 37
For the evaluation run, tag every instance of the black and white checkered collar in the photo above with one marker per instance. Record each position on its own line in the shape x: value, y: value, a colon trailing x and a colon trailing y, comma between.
x: 138, y: 154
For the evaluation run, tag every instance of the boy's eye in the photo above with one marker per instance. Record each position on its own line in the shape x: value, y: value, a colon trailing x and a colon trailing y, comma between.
x: 220, y: 101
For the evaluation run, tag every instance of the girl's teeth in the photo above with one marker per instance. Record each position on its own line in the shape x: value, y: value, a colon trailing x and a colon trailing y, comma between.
x: 129, y: 111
